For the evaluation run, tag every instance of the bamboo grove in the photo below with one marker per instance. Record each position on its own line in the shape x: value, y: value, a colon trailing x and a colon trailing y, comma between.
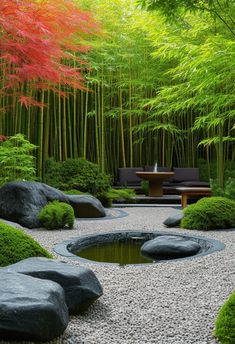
x: 155, y: 90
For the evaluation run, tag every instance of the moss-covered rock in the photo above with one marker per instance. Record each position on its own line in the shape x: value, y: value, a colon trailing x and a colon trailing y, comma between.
x: 225, y: 324
x: 210, y: 213
x: 15, y: 245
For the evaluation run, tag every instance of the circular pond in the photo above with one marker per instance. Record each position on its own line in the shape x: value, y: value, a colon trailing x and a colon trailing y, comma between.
x: 124, y: 247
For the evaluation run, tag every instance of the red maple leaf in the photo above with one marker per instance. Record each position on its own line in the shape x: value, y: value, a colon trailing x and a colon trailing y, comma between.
x: 37, y: 38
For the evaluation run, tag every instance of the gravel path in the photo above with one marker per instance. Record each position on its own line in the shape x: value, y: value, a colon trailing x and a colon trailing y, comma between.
x: 170, y: 303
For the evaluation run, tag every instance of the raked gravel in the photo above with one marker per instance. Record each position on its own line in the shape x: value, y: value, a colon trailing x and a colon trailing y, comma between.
x: 165, y: 303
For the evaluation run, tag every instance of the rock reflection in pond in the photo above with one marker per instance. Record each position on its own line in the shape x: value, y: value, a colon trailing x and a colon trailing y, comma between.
x: 121, y: 252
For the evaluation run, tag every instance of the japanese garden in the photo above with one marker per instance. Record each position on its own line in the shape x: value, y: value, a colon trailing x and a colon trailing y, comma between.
x: 117, y: 171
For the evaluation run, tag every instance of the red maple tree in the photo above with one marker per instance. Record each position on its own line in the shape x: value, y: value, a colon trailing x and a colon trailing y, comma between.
x: 37, y: 37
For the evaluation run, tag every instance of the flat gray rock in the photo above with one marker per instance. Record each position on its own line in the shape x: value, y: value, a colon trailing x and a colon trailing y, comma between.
x: 31, y: 308
x: 86, y: 206
x: 169, y: 247
x: 80, y: 284
x: 21, y: 202
x: 174, y: 220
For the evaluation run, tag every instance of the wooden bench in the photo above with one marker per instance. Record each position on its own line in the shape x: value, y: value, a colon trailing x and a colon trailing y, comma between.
x: 192, y: 191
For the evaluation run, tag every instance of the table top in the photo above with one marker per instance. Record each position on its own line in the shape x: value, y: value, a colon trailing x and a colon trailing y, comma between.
x: 151, y: 176
x: 199, y: 189
x: 155, y: 173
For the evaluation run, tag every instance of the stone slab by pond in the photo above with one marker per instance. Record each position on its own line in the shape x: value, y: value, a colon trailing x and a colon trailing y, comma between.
x: 31, y: 308
x: 169, y: 247
x: 80, y: 284
x: 21, y: 202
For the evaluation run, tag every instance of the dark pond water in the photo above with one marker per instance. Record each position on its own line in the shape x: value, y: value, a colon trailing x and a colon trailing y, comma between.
x: 121, y: 252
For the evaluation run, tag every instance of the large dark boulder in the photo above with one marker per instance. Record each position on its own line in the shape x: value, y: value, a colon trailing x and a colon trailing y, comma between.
x: 86, y: 206
x: 174, y: 220
x: 21, y: 202
x: 169, y: 247
x: 31, y: 308
x: 80, y: 284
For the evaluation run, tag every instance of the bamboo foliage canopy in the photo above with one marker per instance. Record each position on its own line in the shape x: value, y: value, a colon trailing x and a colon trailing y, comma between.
x: 154, y: 90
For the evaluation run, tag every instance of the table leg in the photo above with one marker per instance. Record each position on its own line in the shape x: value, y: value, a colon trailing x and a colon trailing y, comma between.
x: 184, y: 199
x: 155, y: 189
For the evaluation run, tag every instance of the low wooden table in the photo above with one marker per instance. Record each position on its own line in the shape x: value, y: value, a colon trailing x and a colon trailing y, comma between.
x: 193, y: 191
x: 155, y: 181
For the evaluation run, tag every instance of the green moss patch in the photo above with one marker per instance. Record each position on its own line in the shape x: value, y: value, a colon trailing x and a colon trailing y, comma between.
x: 210, y: 213
x: 15, y: 245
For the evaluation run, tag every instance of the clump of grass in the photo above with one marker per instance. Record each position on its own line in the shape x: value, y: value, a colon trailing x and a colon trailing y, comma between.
x: 126, y: 194
x: 15, y: 245
x: 57, y: 215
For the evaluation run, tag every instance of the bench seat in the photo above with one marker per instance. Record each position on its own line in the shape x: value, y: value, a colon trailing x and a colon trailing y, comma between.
x: 187, y: 192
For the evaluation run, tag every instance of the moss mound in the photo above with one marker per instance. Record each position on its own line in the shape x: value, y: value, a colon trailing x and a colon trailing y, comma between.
x: 57, y: 215
x: 210, y: 213
x: 225, y: 324
x: 15, y: 245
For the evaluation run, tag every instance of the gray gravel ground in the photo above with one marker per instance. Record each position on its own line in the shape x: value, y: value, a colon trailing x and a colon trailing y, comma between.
x: 166, y: 303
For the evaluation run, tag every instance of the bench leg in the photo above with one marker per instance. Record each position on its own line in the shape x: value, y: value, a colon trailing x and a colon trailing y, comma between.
x: 184, y: 200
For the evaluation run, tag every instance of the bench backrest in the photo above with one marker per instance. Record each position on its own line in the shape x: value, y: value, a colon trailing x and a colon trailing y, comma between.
x: 127, y: 176
x: 186, y: 174
x: 160, y: 169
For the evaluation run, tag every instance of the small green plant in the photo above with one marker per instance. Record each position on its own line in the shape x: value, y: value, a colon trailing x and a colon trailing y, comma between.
x: 126, y: 194
x: 15, y: 245
x: 227, y: 191
x: 145, y: 187
x: 108, y: 197
x: 75, y: 192
x: 210, y: 213
x: 225, y: 324
x: 16, y: 159
x: 57, y: 215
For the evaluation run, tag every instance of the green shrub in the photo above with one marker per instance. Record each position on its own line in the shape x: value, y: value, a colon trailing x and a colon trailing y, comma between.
x: 53, y: 175
x: 229, y: 188
x: 16, y: 159
x: 228, y: 191
x: 57, y: 215
x: 225, y: 324
x: 145, y: 187
x: 15, y: 245
x: 105, y: 199
x: 85, y: 176
x: 210, y: 213
x: 78, y: 174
